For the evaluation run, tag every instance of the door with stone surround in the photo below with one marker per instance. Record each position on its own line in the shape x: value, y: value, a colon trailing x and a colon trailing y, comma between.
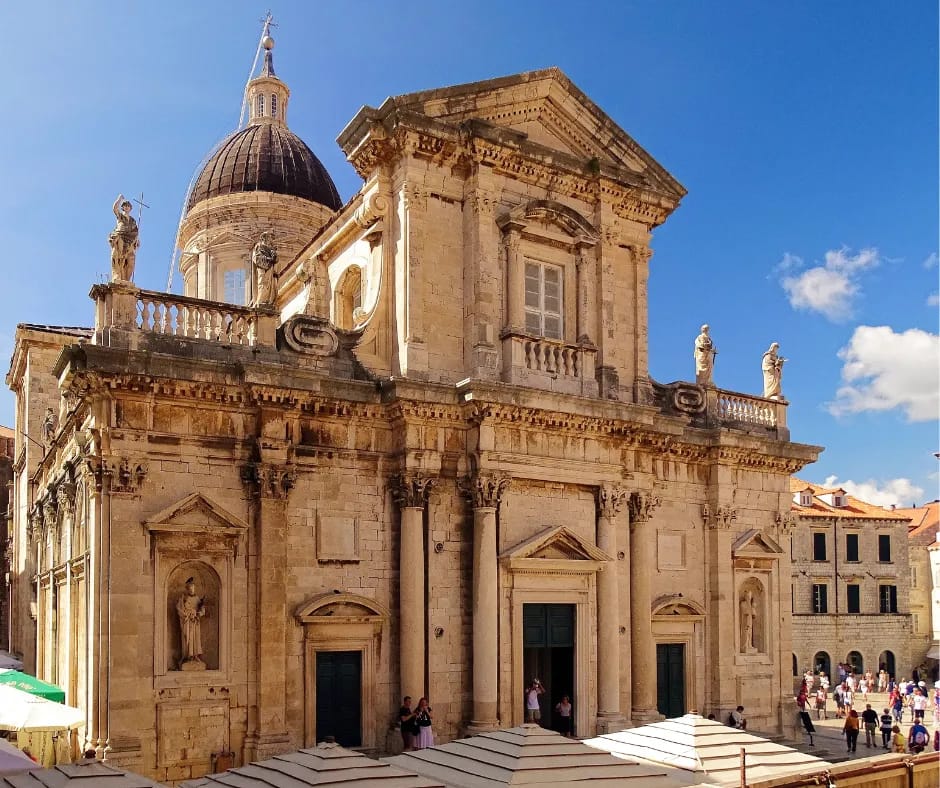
x: 670, y: 679
x: 339, y: 693
x: 548, y: 643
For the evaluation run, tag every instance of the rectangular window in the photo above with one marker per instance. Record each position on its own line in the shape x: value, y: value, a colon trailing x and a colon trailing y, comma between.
x: 851, y: 547
x: 819, y: 547
x: 543, y: 300
x: 884, y: 547
x: 853, y: 597
x: 234, y: 286
x: 820, y: 598
x: 915, y: 622
x: 888, y: 599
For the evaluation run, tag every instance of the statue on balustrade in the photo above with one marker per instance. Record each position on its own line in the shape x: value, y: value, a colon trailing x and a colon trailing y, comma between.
x: 705, y: 352
x: 124, y: 240
x: 263, y: 261
x: 772, y: 367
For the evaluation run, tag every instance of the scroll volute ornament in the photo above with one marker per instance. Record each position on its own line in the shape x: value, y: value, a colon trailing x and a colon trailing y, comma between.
x: 485, y: 489
x: 611, y: 500
x: 410, y: 490
x: 642, y: 506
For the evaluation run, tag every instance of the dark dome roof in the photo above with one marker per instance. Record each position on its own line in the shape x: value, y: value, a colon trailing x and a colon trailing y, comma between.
x: 265, y: 157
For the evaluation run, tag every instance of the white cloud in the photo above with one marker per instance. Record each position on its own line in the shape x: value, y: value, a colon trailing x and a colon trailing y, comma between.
x: 896, y: 492
x: 931, y: 260
x: 933, y: 299
x: 829, y: 289
x: 884, y: 370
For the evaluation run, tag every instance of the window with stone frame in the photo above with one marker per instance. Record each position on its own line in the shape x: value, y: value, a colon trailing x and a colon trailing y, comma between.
x: 260, y: 106
x: 233, y: 286
x: 884, y: 548
x: 851, y: 547
x: 888, y: 598
x: 819, y: 546
x: 274, y: 105
x: 544, y: 302
x: 820, y: 598
x: 853, y: 598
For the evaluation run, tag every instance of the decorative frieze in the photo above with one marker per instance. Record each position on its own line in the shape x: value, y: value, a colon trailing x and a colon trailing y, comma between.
x: 410, y: 490
x: 485, y: 489
x: 611, y: 499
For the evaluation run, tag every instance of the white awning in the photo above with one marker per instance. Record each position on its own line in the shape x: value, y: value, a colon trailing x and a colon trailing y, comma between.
x: 934, y: 651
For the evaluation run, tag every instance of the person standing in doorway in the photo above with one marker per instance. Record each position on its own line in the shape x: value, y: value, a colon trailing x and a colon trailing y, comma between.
x: 533, y: 711
x: 563, y: 709
x: 423, y: 718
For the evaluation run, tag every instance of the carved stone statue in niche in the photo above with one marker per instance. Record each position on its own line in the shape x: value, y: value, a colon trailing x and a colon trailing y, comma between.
x: 748, y: 608
x: 50, y: 425
x: 191, y: 609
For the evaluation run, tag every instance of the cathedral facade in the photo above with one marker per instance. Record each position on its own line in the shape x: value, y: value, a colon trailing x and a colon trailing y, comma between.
x: 405, y: 445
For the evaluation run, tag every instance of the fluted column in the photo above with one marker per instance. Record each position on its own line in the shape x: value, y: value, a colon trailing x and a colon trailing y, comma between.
x: 610, y: 500
x: 485, y: 491
x: 643, y: 648
x: 411, y: 492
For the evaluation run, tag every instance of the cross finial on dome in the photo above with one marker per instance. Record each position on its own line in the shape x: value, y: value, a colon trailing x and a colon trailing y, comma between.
x: 267, y: 43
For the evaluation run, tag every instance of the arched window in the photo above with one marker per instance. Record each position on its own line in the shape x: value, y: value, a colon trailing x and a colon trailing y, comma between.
x: 822, y: 664
x: 233, y: 283
x: 348, y: 304
x: 260, y: 108
x: 855, y: 660
x: 274, y: 105
x: 796, y: 670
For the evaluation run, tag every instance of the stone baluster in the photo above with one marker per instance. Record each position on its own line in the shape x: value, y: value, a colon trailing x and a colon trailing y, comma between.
x: 410, y: 491
x: 643, y: 648
x: 610, y: 501
x: 485, y: 490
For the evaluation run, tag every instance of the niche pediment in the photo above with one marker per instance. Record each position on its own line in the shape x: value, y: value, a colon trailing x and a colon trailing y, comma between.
x: 556, y: 547
x: 754, y: 543
x: 196, y: 515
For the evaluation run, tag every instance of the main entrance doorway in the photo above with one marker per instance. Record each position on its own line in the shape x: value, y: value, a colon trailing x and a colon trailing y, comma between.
x: 670, y: 679
x: 339, y: 697
x: 548, y: 655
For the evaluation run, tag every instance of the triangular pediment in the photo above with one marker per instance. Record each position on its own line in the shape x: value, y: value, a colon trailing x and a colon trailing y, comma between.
x: 196, y: 514
x: 556, y: 544
x: 547, y: 109
x: 755, y: 542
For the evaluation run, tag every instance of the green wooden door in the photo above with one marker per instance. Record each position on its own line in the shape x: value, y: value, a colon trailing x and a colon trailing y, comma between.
x: 670, y: 679
x: 339, y: 697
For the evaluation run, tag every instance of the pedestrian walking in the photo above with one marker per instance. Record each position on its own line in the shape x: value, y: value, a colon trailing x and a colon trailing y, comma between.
x: 850, y: 729
x: 887, y: 723
x: 898, y: 742
x: 870, y: 721
x: 821, y: 703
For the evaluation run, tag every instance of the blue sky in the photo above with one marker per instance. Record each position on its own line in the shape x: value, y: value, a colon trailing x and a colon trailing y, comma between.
x: 805, y: 132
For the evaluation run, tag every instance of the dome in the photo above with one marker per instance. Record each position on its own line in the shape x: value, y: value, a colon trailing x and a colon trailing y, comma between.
x: 265, y: 157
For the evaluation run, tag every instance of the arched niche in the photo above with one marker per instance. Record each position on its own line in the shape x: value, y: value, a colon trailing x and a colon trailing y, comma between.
x: 348, y: 298
x: 341, y: 621
x: 208, y: 588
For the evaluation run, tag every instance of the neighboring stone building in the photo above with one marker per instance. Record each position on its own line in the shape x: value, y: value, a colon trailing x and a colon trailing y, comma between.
x: 435, y: 464
x: 924, y: 560
x: 850, y: 583
x: 6, y: 480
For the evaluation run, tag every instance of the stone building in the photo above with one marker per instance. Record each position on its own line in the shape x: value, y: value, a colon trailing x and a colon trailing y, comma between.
x: 851, y: 583
x: 6, y: 480
x: 404, y: 445
x: 925, y: 585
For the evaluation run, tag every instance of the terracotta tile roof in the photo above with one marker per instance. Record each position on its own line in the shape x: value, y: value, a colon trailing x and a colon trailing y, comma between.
x: 924, y: 518
x: 854, y: 508
x: 6, y: 432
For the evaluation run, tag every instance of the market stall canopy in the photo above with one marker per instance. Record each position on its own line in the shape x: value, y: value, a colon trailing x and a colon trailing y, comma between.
x: 13, y: 760
x: 707, y: 751
x: 32, y: 685
x: 20, y: 711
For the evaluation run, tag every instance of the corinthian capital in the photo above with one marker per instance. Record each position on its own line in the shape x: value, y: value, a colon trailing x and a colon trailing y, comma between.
x: 65, y: 497
x: 720, y: 517
x: 410, y: 490
x: 610, y: 500
x: 642, y: 506
x: 267, y: 480
x: 485, y: 489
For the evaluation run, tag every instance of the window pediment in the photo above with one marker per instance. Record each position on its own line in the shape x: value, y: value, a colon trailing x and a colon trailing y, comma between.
x: 196, y: 515
x: 755, y: 543
x: 557, y: 545
x: 529, y: 217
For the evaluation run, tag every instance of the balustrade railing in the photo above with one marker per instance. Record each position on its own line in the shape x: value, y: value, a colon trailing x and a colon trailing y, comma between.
x: 552, y: 357
x: 549, y: 364
x: 178, y: 316
x: 742, y: 409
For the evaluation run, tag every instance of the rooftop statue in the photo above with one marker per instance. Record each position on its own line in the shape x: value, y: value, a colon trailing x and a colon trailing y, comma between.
x: 124, y: 240
x: 705, y: 352
x: 772, y: 367
x: 263, y: 260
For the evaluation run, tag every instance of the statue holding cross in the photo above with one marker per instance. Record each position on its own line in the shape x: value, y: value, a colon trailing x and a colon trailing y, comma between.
x: 124, y: 240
